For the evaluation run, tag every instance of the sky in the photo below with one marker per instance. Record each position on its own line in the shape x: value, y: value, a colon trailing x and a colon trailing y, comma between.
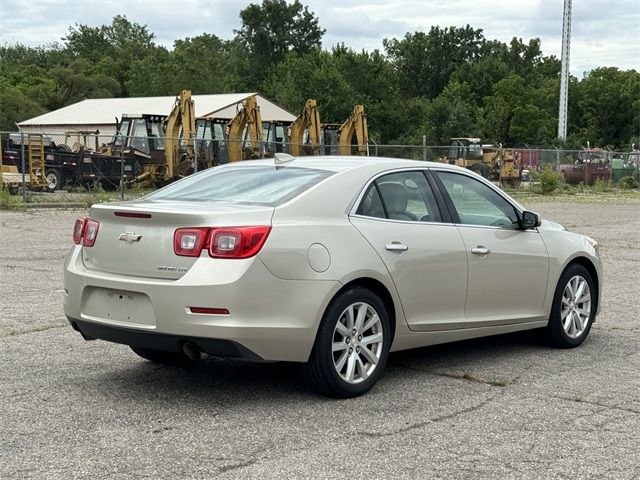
x: 604, y: 33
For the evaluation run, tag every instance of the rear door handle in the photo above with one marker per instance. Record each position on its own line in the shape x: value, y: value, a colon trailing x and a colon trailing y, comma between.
x: 480, y: 250
x: 396, y: 247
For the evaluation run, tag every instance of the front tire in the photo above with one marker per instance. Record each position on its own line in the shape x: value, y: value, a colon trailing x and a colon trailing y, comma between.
x: 352, y: 346
x: 573, y: 309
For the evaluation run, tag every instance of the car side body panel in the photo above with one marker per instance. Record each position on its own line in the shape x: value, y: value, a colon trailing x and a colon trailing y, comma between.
x: 508, y: 284
x: 565, y: 247
x: 430, y: 276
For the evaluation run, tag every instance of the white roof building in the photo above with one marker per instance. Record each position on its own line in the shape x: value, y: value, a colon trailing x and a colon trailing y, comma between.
x: 101, y: 113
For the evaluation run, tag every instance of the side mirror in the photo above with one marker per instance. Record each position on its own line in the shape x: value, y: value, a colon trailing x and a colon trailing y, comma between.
x: 530, y: 220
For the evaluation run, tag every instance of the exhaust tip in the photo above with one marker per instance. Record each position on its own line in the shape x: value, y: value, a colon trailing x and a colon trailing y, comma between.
x: 192, y: 351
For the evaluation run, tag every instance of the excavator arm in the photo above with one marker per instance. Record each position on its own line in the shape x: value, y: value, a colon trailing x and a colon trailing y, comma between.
x: 248, y: 117
x: 309, y: 121
x: 182, y: 116
x: 355, y: 124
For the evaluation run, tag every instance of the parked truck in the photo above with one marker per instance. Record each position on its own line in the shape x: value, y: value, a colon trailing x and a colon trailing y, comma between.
x: 52, y: 166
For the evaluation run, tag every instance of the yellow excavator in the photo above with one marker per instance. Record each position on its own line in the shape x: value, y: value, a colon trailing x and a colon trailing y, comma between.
x: 338, y: 139
x: 241, y: 138
x: 161, y: 146
x: 245, y: 126
x: 308, y: 121
x: 181, y: 119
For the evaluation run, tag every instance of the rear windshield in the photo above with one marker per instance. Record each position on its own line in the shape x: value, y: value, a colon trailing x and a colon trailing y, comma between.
x: 256, y: 185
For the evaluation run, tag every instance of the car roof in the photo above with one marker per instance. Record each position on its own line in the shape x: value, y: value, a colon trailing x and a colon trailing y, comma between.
x: 335, y: 163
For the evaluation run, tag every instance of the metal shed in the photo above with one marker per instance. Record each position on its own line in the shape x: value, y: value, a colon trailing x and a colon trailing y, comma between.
x: 101, y: 113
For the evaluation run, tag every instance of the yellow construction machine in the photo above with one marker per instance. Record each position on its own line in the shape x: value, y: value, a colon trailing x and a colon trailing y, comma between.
x: 241, y: 138
x: 304, y: 132
x: 10, y: 177
x: 244, y: 131
x: 181, y: 119
x: 493, y: 163
x: 162, y: 146
x: 338, y: 139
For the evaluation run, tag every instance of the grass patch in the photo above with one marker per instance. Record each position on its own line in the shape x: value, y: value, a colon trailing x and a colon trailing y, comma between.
x: 10, y: 202
x: 578, y: 194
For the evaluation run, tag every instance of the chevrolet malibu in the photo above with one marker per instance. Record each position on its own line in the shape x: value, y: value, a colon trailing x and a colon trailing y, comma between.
x: 332, y: 262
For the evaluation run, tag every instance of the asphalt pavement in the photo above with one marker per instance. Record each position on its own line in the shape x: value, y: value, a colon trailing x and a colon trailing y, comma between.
x: 499, y: 407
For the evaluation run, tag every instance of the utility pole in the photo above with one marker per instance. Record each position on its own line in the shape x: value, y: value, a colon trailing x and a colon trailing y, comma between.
x: 564, y: 76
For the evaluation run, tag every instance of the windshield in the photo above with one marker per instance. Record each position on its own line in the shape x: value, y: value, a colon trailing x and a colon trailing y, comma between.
x: 118, y: 140
x: 258, y: 185
x: 158, y: 135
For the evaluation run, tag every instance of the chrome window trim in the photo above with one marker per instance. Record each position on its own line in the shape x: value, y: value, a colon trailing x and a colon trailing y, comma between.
x: 354, y: 208
x: 408, y: 222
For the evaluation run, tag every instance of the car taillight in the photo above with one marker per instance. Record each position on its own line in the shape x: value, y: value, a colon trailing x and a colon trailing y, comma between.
x: 78, y: 228
x: 237, y: 242
x: 221, y: 242
x: 85, y: 231
x: 90, y: 232
x: 189, y: 242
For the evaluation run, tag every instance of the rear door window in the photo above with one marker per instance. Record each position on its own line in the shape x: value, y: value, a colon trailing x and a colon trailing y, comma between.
x: 400, y: 196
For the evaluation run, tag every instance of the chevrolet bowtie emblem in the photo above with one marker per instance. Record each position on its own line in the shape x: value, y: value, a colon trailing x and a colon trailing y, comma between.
x: 129, y: 237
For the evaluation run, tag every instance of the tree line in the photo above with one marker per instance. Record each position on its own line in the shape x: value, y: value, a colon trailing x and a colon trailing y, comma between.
x: 447, y: 82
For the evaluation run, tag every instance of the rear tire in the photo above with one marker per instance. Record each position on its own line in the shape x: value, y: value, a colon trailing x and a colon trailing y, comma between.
x: 352, y: 346
x: 160, y: 356
x: 573, y: 309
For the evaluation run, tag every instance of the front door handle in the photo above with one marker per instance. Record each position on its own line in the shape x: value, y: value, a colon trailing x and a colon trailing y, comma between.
x: 396, y: 247
x: 480, y: 250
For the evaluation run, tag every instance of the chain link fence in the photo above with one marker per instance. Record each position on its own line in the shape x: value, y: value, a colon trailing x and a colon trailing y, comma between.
x: 90, y: 161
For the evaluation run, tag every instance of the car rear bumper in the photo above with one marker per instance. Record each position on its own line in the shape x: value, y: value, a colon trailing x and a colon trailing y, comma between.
x: 161, y: 341
x: 269, y: 318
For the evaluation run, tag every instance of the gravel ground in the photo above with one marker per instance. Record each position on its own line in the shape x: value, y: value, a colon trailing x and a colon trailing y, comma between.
x: 501, y: 407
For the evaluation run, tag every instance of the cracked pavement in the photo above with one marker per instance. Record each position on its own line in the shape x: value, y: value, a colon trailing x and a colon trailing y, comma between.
x: 499, y: 407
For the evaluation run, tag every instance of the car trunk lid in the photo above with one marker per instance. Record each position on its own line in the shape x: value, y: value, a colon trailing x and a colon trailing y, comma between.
x: 136, y: 238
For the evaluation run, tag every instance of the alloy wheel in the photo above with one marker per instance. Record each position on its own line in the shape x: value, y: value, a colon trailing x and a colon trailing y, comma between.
x: 576, y: 306
x: 357, y: 342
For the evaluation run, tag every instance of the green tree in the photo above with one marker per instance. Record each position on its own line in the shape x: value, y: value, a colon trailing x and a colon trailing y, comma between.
x: 531, y: 125
x: 425, y: 61
x: 451, y: 114
x: 275, y: 28
x: 122, y: 41
x: 76, y: 82
x: 314, y: 75
x: 15, y: 106
x: 608, y: 105
x: 371, y: 77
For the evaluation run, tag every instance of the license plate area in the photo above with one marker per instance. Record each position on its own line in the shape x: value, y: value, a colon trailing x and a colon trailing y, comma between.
x: 118, y: 306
